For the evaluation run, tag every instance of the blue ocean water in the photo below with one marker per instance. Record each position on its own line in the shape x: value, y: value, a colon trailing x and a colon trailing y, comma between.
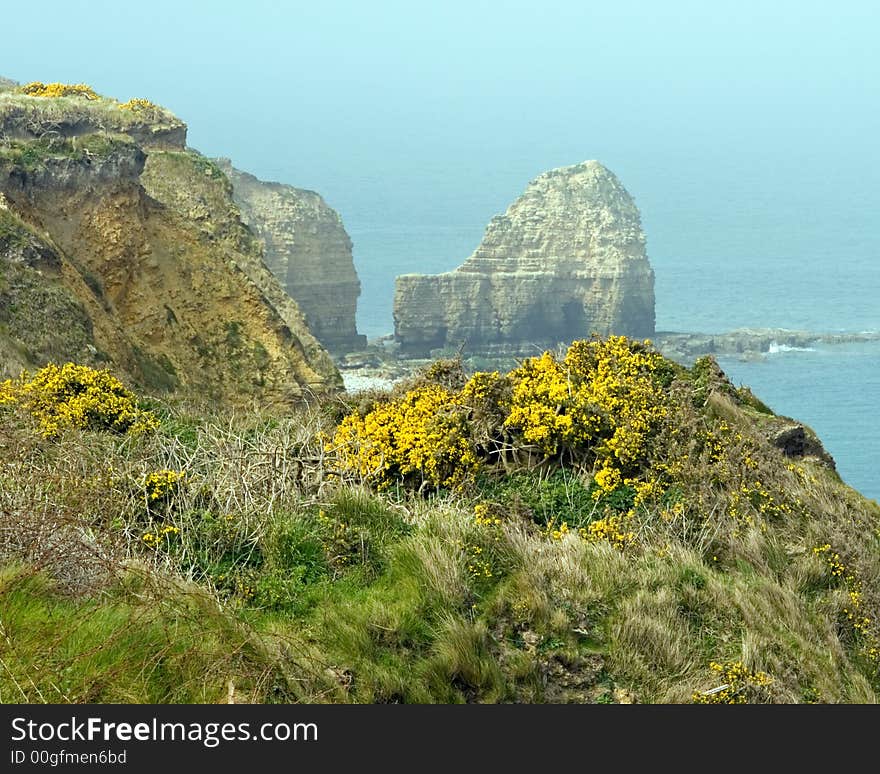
x: 787, y: 240
x: 833, y: 389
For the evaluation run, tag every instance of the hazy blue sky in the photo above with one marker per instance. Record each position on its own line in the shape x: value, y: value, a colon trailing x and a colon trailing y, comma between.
x: 340, y: 96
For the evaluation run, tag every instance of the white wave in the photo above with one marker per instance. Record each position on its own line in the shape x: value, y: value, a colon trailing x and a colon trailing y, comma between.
x: 775, y: 348
x: 358, y: 382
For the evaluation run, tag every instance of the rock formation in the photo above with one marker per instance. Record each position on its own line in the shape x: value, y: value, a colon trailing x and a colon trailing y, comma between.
x: 168, y: 291
x: 307, y: 248
x: 566, y: 260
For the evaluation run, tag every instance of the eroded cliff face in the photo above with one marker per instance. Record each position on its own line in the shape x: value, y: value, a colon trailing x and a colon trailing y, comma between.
x: 566, y: 260
x: 307, y: 248
x: 41, y: 316
x: 95, y: 269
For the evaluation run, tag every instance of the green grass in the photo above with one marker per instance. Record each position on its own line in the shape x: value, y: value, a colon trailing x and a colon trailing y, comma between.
x: 134, y: 643
x: 33, y: 154
x: 543, y: 497
x: 290, y: 584
x: 18, y: 111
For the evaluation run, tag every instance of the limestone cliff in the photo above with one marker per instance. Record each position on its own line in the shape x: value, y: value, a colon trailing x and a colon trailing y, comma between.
x: 197, y: 189
x: 95, y: 269
x: 307, y: 248
x: 566, y: 260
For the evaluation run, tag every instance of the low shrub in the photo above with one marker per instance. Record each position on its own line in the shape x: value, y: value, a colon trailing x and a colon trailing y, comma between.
x: 602, y: 403
x: 51, y: 90
x: 76, y: 396
x: 138, y: 105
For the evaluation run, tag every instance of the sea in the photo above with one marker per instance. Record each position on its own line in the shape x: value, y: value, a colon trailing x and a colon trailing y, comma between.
x: 760, y: 240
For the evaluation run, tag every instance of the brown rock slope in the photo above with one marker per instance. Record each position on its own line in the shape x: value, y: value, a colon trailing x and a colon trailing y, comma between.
x: 308, y: 250
x: 566, y: 260
x: 94, y: 269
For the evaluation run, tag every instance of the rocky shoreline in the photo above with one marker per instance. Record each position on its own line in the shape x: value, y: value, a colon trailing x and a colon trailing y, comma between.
x: 750, y: 343
x: 381, y: 365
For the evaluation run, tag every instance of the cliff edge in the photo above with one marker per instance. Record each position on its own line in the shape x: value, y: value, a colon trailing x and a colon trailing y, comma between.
x: 307, y: 248
x: 566, y: 260
x: 100, y: 267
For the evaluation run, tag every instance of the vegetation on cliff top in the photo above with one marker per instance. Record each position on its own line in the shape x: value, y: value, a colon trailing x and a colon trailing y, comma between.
x: 59, y: 110
x: 598, y: 526
x: 30, y: 155
x: 54, y: 90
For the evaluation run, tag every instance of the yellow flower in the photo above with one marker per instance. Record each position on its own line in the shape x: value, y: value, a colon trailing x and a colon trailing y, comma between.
x: 605, y: 399
x: 52, y: 90
x: 139, y: 105
x: 611, y: 529
x: 421, y: 436
x: 739, y: 685
x: 161, y: 483
x: 77, y: 396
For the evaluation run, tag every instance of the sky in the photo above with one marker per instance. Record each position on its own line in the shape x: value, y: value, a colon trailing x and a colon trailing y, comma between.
x: 370, y: 102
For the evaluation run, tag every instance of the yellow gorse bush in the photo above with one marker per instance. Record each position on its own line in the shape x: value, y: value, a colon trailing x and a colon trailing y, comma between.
x: 862, y: 624
x: 160, y: 536
x: 161, y: 483
x: 740, y: 685
x: 605, y: 392
x: 40, y: 89
x: 421, y: 437
x: 611, y: 529
x: 602, y: 401
x: 486, y: 516
x: 139, y: 105
x: 542, y: 407
x: 76, y: 396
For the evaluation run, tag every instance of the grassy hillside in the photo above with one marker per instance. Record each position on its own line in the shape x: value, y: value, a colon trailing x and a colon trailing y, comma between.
x: 598, y: 526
